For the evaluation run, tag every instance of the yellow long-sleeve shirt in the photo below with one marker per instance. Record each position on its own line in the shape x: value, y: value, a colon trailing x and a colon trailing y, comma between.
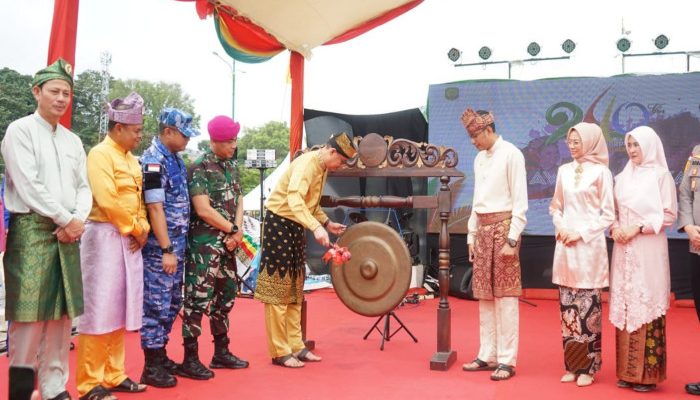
x: 298, y: 192
x: 116, y: 182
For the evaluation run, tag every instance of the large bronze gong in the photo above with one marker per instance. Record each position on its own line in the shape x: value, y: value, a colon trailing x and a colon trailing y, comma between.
x: 377, y: 277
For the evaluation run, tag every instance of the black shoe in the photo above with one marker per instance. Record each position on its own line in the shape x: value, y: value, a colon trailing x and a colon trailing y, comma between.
x: 194, y: 369
x: 191, y: 367
x: 223, y: 358
x: 227, y: 360
x: 693, y: 388
x: 169, y: 364
x: 154, y: 371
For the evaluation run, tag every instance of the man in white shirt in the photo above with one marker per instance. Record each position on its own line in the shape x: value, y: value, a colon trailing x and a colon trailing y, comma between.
x: 497, y: 220
x: 49, y: 199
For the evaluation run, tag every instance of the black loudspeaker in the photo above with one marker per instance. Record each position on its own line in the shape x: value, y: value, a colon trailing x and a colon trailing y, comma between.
x: 461, y: 281
x: 319, y: 129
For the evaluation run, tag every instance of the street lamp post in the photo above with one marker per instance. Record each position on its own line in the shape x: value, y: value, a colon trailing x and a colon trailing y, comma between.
x: 232, y: 67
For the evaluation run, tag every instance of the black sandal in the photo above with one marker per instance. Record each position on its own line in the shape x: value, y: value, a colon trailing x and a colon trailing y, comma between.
x: 282, y: 360
x: 302, y: 355
x: 481, y: 366
x: 643, y: 388
x: 503, y: 367
x: 129, y: 386
x: 97, y: 393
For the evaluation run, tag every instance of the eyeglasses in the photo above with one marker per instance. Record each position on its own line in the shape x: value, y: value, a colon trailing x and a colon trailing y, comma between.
x: 573, y: 143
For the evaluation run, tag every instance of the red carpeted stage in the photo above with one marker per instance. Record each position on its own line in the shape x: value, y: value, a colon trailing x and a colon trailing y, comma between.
x: 353, y: 368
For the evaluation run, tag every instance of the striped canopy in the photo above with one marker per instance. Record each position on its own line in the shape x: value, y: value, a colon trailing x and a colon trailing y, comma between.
x: 257, y: 30
x: 254, y: 31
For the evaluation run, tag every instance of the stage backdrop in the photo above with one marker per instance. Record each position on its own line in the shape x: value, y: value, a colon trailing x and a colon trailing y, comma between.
x: 536, y: 115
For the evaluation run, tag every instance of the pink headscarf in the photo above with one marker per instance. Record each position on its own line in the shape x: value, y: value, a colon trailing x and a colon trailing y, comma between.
x: 637, y: 186
x: 595, y: 149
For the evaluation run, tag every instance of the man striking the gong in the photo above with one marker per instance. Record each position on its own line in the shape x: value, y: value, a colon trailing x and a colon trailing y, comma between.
x: 495, y: 225
x: 293, y: 206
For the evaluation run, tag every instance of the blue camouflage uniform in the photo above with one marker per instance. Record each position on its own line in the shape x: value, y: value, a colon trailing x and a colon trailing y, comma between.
x: 165, y: 181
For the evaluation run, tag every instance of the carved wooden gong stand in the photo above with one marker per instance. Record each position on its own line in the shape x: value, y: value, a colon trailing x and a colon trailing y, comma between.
x: 386, y: 157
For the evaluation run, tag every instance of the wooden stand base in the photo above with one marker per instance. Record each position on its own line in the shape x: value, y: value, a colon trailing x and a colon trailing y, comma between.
x: 442, y: 361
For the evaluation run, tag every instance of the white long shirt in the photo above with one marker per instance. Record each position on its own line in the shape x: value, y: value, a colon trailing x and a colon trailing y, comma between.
x: 45, y: 171
x: 500, y: 184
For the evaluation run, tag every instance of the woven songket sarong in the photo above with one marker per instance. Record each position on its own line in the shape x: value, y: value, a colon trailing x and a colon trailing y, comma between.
x: 493, y: 274
x: 641, y: 355
x: 282, y: 262
x: 42, y: 275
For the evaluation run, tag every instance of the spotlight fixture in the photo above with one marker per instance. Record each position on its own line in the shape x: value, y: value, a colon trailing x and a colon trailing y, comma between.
x: 568, y: 46
x: 623, y: 44
x: 454, y: 54
x: 484, y: 53
x: 533, y: 49
x: 661, y: 42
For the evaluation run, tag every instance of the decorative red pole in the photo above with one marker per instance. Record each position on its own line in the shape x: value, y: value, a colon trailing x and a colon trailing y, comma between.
x: 64, y: 31
x: 296, y: 125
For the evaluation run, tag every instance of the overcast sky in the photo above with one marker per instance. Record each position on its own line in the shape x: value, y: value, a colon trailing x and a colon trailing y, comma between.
x: 387, y: 69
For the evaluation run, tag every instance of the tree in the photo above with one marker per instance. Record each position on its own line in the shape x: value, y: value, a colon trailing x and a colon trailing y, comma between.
x: 272, y: 135
x: 16, y: 98
x: 87, y: 106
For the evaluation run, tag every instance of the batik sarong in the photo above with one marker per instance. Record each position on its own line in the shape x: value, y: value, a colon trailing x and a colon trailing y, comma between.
x: 581, y: 322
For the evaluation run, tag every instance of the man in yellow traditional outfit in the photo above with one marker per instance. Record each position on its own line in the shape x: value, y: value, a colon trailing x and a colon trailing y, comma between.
x: 49, y: 198
x: 293, y: 206
x: 111, y: 259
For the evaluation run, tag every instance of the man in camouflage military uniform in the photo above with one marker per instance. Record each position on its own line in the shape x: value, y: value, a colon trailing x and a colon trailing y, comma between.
x: 689, y: 222
x: 168, y: 206
x: 210, y: 271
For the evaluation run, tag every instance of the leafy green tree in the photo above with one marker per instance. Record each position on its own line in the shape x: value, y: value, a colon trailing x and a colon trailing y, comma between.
x: 272, y: 135
x: 16, y: 99
x: 87, y: 106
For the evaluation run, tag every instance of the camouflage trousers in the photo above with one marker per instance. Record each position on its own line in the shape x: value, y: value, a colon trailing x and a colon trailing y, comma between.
x: 210, y: 288
x: 162, y: 292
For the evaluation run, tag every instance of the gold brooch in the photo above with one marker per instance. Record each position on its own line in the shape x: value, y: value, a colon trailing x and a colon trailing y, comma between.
x: 577, y: 177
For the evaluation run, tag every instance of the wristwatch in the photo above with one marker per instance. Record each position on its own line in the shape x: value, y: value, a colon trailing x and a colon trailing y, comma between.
x: 234, y: 228
x: 168, y: 250
x: 512, y: 243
